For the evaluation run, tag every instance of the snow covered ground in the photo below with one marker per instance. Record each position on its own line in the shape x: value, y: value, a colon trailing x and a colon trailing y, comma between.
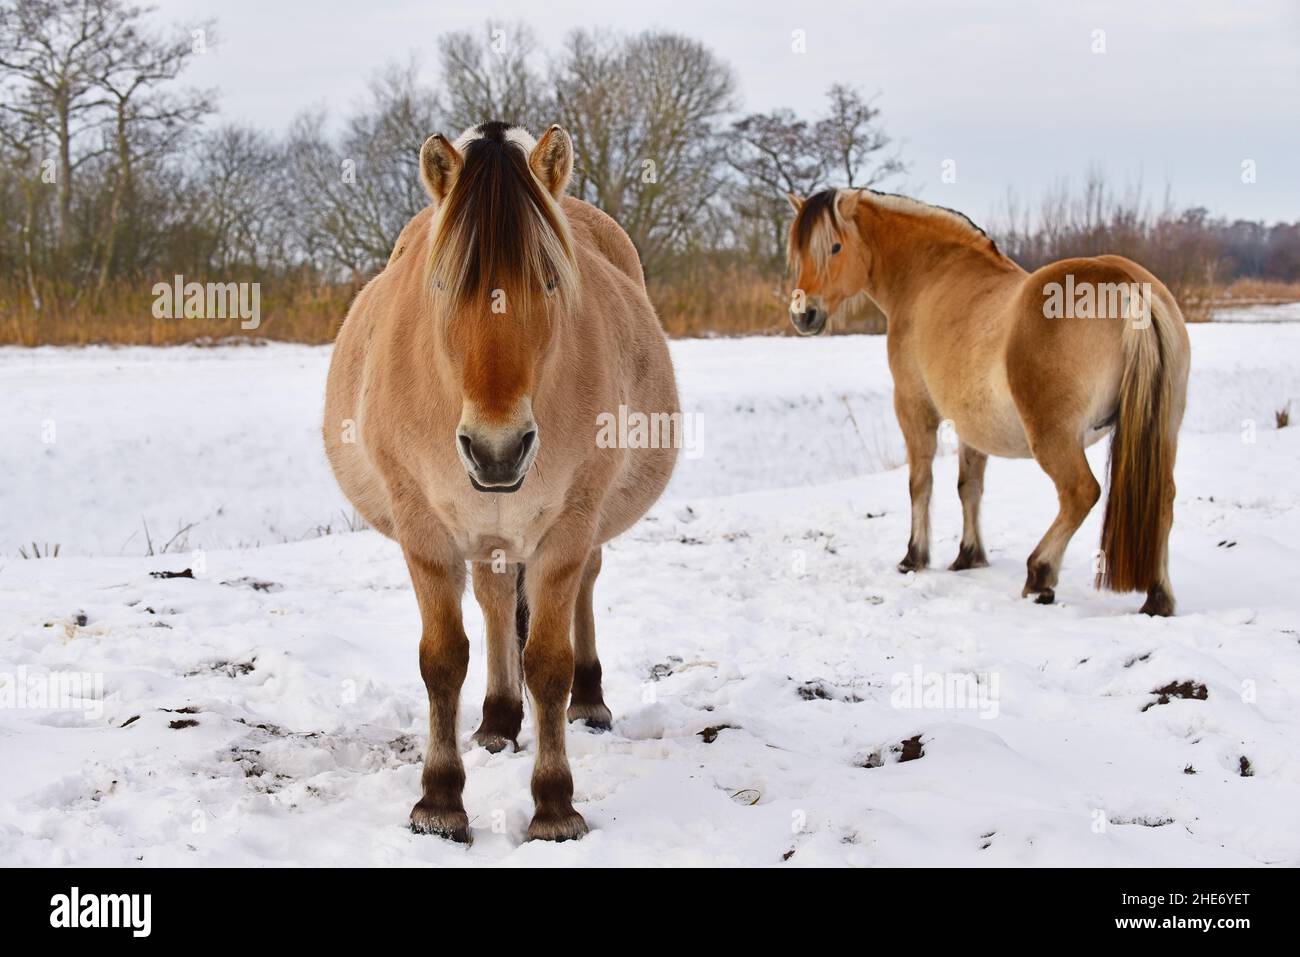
x: 757, y: 643
x: 1259, y: 312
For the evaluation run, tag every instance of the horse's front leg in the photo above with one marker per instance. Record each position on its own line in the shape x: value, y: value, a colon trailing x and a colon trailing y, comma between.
x: 444, y: 657
x: 552, y: 579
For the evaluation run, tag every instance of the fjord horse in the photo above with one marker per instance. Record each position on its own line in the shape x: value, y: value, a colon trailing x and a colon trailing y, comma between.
x: 1023, y: 364
x: 461, y: 419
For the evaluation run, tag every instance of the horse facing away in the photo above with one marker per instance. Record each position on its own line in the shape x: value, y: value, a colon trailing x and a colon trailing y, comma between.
x: 1035, y: 364
x: 461, y: 419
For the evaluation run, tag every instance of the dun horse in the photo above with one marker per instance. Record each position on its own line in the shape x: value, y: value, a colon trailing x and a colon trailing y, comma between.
x: 1035, y: 364
x: 461, y: 419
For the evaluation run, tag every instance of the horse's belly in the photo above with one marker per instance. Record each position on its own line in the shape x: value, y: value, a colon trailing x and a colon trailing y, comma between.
x: 991, y: 440
x: 988, y: 421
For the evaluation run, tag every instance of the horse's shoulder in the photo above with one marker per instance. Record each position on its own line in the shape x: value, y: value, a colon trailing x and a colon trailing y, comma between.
x: 418, y: 224
x: 595, y: 228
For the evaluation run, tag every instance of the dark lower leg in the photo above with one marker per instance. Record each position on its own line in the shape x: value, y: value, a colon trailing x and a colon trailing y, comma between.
x: 920, y: 482
x: 503, y: 704
x: 970, y: 488
x: 444, y: 658
x: 548, y: 671
x: 1077, y: 492
x: 1160, y: 596
x: 586, y: 702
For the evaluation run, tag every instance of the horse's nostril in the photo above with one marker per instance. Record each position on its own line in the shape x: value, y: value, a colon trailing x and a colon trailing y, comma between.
x: 467, y: 445
x: 525, y: 445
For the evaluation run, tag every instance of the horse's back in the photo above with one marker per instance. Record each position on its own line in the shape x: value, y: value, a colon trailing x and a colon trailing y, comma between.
x: 604, y: 235
x: 1065, y: 353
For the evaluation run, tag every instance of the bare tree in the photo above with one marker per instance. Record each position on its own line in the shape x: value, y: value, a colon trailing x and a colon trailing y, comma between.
x: 240, y: 184
x: 770, y: 154
x: 51, y: 52
x: 851, y: 139
x: 22, y: 145
x: 352, y: 194
x: 147, y: 120
x: 775, y: 153
x: 642, y: 112
x: 492, y: 77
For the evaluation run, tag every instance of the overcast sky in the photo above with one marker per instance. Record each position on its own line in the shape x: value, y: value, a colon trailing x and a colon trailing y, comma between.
x: 1010, y: 90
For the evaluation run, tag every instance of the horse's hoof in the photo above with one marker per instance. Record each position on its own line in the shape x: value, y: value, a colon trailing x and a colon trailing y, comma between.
x: 970, y: 556
x: 1040, y: 581
x: 1045, y: 597
x: 1159, y: 603
x: 502, y: 718
x: 449, y: 823
x: 493, y: 741
x: 597, y: 716
x: 557, y: 826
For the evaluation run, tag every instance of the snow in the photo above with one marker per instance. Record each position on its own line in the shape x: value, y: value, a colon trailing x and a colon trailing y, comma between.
x: 758, y: 599
x: 1259, y: 312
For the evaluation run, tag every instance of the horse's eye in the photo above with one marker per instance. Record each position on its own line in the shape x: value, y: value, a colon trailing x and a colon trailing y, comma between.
x: 550, y: 285
x: 835, y: 249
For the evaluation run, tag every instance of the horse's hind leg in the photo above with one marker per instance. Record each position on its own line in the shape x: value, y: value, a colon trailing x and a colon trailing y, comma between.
x: 970, y: 488
x: 1062, y: 458
x: 1160, y: 596
x: 919, y: 422
x: 504, y: 611
x: 586, y: 702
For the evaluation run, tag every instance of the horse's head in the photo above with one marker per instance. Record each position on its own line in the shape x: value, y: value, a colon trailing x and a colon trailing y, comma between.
x: 827, y: 256
x: 502, y: 276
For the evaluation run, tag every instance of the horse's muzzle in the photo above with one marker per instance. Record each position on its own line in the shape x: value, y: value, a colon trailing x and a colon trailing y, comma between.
x: 809, y: 322
x: 501, y: 465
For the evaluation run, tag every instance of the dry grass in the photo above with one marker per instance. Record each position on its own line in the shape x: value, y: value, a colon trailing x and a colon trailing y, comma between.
x: 735, y: 301
x: 39, y: 552
x: 1250, y: 292
x: 707, y: 300
x: 294, y: 310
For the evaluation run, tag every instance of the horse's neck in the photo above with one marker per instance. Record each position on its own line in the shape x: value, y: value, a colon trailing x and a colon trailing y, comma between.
x: 909, y: 255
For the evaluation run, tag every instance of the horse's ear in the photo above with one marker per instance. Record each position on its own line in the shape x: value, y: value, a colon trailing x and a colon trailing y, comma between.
x: 795, y: 202
x: 552, y: 160
x: 440, y: 164
x: 848, y: 201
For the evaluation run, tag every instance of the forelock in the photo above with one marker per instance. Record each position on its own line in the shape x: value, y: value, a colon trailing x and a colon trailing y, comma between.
x: 817, y: 227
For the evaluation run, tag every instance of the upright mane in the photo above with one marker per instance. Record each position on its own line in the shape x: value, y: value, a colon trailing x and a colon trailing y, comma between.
x: 819, y: 224
x: 499, y: 236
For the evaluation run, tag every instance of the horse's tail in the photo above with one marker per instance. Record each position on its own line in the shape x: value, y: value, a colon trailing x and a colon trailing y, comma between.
x: 521, y: 609
x: 1140, y: 502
